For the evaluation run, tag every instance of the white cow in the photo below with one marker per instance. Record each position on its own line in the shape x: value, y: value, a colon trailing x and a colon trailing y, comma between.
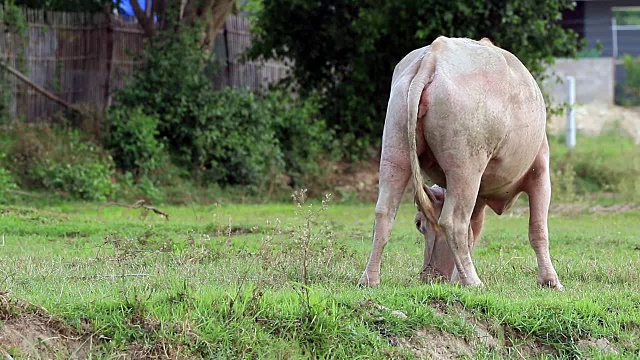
x: 473, y: 118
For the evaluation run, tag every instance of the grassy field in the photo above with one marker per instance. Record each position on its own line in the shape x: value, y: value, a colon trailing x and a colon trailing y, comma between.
x: 278, y: 281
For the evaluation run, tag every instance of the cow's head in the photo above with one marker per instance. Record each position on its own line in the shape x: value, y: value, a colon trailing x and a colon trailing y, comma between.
x: 438, y: 258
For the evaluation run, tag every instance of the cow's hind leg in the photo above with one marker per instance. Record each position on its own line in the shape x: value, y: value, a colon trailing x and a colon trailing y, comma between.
x: 538, y: 188
x: 477, y: 222
x: 462, y: 191
x: 394, y: 175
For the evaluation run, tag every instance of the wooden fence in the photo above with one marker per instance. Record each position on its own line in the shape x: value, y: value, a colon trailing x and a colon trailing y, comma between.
x: 84, y: 58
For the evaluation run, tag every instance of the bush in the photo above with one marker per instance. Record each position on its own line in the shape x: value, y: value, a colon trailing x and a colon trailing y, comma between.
x: 629, y: 90
x: 240, y: 138
x: 233, y: 140
x: 306, y: 142
x: 228, y: 137
x: 59, y: 160
x: 173, y: 86
x: 6, y: 182
x: 132, y: 140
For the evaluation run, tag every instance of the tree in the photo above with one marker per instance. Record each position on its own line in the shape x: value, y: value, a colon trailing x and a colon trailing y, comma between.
x: 347, y: 49
x: 163, y: 14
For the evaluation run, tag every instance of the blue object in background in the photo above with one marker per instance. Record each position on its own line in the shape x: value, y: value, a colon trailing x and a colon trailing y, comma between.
x: 125, y: 6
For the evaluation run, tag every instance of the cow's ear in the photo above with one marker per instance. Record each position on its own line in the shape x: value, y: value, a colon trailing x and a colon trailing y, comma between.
x: 486, y: 41
x: 435, y: 193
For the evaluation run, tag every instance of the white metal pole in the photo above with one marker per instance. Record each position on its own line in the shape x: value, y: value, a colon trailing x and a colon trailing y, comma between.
x: 571, y: 112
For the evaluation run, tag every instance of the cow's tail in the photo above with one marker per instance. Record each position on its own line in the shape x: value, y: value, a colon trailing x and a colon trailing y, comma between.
x: 424, y: 74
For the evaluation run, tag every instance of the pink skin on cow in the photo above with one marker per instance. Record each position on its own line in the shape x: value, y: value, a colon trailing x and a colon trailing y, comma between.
x: 472, y: 117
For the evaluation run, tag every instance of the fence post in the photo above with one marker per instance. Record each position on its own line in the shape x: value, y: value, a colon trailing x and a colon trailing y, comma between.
x: 614, y: 37
x: 571, y: 112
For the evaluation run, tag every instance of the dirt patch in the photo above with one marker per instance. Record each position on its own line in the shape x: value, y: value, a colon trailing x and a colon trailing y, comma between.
x: 430, y: 344
x: 33, y: 337
x: 29, y: 331
x: 601, y: 345
x: 156, y: 350
x: 236, y: 230
x: 356, y: 181
x: 360, y: 181
x: 435, y: 344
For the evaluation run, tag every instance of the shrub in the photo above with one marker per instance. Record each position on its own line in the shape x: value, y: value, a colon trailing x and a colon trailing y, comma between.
x: 306, y: 142
x: 130, y: 189
x: 132, y: 140
x: 234, y: 141
x: 227, y: 137
x: 563, y: 184
x: 59, y: 160
x: 629, y: 90
x: 6, y: 182
x: 244, y: 139
x: 173, y: 86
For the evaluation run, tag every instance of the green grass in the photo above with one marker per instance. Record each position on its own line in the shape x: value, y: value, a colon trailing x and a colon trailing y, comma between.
x: 608, y: 163
x: 227, y: 282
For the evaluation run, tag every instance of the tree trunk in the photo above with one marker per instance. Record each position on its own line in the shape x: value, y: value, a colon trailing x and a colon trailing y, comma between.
x: 145, y: 22
x: 210, y: 13
x: 110, y: 53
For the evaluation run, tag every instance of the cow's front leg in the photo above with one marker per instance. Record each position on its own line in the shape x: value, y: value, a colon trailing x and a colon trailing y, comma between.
x: 539, y: 191
x: 394, y: 175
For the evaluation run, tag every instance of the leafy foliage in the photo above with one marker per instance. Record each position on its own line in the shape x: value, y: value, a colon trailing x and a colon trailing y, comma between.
x: 229, y: 137
x: 6, y: 181
x: 131, y: 138
x: 60, y: 160
x: 304, y: 139
x: 627, y: 15
x: 630, y: 89
x: 347, y: 50
x: 172, y: 85
x: 233, y: 139
x: 11, y: 17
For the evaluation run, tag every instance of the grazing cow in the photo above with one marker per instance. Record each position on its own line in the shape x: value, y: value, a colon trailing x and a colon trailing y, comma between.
x: 473, y: 118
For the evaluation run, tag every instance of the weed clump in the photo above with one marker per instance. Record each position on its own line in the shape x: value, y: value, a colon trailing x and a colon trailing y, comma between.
x: 607, y: 163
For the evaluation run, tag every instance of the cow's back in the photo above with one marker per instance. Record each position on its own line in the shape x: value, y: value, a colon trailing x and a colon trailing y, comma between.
x: 483, y: 101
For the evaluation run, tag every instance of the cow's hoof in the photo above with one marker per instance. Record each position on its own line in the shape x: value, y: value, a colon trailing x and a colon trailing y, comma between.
x: 476, y: 284
x: 553, y: 283
x: 468, y: 282
x: 369, y: 280
x: 473, y: 282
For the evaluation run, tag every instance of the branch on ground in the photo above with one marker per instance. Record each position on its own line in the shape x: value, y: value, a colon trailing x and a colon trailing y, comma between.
x: 140, y: 204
